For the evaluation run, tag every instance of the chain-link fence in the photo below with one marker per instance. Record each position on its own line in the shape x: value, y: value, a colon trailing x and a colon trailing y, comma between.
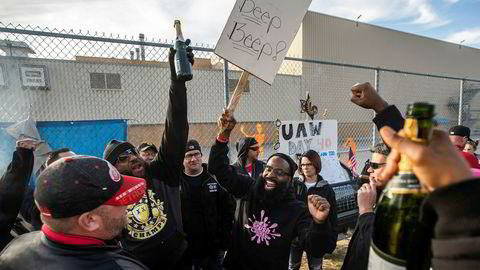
x: 56, y: 75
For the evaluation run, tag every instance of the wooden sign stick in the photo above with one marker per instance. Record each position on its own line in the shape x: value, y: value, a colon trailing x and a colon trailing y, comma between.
x: 241, y: 85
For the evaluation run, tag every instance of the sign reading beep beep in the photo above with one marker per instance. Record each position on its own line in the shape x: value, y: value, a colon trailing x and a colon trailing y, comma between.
x: 259, y: 33
x: 297, y: 137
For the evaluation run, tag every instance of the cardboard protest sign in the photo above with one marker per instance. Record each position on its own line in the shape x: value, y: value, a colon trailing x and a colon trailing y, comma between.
x: 297, y: 137
x: 259, y: 33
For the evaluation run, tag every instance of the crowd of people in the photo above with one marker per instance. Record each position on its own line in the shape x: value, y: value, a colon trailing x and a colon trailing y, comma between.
x: 164, y: 208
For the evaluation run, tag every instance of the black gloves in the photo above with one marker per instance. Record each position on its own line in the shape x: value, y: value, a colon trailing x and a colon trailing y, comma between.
x: 171, y: 59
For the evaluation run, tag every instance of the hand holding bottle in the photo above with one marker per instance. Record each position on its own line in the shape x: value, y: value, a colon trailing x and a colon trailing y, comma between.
x: 171, y: 60
x: 437, y: 165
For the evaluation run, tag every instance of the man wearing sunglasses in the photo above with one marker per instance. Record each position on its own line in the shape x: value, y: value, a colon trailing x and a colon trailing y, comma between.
x: 268, y: 216
x: 247, y: 163
x: 155, y: 232
x: 359, y: 245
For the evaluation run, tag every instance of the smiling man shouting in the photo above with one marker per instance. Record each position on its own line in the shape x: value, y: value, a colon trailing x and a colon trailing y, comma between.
x: 268, y: 217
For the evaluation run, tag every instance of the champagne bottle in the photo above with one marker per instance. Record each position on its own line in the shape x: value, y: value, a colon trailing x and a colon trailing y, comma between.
x: 399, y: 240
x: 183, y: 67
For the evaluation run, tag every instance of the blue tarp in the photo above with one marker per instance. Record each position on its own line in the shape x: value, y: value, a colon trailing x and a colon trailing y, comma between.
x: 83, y: 137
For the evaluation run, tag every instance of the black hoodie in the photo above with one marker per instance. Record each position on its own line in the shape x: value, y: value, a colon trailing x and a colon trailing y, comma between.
x: 155, y: 231
x: 242, y: 149
x: 262, y: 233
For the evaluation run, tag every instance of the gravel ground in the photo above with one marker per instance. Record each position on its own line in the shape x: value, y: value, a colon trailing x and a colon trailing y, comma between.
x: 332, y: 261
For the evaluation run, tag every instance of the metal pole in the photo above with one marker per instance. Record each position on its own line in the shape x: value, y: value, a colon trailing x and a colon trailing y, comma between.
x: 460, y: 102
x: 377, y: 88
x: 225, y: 81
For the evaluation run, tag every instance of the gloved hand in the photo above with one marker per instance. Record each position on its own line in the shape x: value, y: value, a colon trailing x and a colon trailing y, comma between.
x: 171, y: 59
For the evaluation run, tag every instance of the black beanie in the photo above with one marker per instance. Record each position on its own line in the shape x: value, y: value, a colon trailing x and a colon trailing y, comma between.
x: 114, y: 148
x: 243, y: 145
x: 193, y: 145
x: 292, y: 164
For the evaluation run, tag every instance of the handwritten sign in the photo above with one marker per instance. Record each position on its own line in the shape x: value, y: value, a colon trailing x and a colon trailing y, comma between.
x: 297, y: 137
x: 258, y: 34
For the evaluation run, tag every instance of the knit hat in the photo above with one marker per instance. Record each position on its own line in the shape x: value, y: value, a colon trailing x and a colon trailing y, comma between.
x: 243, y: 145
x: 114, y: 148
x: 292, y: 164
x: 74, y: 185
x: 193, y: 145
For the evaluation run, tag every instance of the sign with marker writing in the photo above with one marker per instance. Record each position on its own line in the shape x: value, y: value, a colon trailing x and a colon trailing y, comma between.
x: 259, y: 33
x: 297, y: 137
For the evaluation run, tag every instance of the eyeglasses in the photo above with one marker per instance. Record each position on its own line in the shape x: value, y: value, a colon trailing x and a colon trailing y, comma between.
x: 126, y: 155
x: 197, y: 155
x: 306, y: 165
x: 276, y: 171
x: 254, y: 148
x: 375, y: 165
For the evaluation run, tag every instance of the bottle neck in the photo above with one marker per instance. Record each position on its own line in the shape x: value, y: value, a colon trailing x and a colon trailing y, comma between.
x: 178, y: 29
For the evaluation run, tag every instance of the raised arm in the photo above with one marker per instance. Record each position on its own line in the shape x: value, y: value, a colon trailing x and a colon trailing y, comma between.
x: 219, y: 164
x: 365, y: 96
x: 12, y: 186
x: 171, y: 152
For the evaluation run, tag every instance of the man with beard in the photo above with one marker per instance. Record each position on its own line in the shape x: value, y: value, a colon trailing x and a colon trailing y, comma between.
x: 207, y: 212
x: 268, y: 217
x: 83, y: 202
x: 155, y: 232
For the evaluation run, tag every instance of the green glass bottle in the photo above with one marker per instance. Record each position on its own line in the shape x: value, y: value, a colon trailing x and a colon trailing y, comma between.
x: 399, y: 240
x: 183, y: 67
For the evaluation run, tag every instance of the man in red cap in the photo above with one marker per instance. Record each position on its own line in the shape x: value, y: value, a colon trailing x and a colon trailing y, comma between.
x: 83, y: 202
x: 459, y: 135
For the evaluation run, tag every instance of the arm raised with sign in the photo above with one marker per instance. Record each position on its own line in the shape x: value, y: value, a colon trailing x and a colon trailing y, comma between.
x: 219, y: 164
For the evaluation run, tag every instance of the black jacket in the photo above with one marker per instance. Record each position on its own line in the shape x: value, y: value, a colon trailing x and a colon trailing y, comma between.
x: 391, y: 117
x: 12, y: 188
x: 453, y: 214
x: 219, y: 210
x: 155, y: 231
x: 324, y: 189
x: 359, y: 245
x: 262, y: 235
x: 35, y: 251
x: 258, y: 167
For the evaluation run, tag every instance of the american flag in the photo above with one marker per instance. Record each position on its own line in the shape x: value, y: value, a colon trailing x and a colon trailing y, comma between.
x: 352, y: 160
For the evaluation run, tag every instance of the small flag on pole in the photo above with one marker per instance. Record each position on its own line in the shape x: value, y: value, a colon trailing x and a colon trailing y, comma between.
x: 352, y: 160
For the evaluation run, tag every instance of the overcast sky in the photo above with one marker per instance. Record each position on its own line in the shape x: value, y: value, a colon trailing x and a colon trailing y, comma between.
x: 203, y: 20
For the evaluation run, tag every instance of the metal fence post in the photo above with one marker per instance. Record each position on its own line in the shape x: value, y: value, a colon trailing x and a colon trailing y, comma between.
x: 225, y: 81
x: 377, y: 88
x: 460, y: 102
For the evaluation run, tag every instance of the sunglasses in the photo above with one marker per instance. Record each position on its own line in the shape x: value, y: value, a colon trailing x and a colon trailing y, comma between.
x: 126, y: 154
x: 375, y: 165
x: 254, y: 148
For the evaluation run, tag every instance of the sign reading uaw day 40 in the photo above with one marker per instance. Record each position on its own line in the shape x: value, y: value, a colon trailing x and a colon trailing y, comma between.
x: 258, y: 34
x: 297, y: 137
